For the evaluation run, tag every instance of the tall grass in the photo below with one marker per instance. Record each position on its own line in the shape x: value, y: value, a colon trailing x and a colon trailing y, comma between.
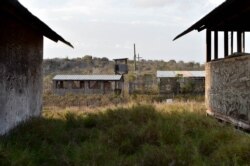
x: 159, y: 134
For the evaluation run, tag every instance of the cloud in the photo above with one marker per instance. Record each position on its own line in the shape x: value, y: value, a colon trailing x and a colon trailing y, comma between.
x: 187, y: 4
x: 216, y: 2
x: 110, y: 27
x: 153, y: 3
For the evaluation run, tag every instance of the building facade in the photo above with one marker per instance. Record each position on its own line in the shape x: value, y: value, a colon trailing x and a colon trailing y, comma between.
x: 88, y: 84
x: 181, y: 82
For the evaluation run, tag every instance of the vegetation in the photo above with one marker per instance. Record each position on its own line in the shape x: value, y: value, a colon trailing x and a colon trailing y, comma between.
x: 159, y: 134
x: 93, y: 65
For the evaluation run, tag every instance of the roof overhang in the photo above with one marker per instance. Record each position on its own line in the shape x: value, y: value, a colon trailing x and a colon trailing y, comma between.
x: 87, y: 78
x: 185, y: 74
x: 232, y: 15
x: 19, y: 12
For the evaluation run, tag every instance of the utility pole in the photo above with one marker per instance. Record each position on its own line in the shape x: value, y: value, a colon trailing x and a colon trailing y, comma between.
x: 135, y: 65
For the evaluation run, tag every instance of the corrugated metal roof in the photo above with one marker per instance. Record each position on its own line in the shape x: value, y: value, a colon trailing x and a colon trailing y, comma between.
x: 161, y: 74
x: 87, y: 77
x: 171, y: 74
x: 18, y: 11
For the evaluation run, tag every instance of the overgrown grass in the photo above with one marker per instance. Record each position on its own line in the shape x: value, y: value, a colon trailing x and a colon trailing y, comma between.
x: 176, y: 134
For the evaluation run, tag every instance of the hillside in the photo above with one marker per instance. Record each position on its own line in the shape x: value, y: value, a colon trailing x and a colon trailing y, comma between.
x: 93, y: 65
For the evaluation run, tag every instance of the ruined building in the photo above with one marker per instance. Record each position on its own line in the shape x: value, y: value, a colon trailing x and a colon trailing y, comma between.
x: 21, y: 56
x: 228, y: 75
x: 87, y: 84
x: 181, y: 82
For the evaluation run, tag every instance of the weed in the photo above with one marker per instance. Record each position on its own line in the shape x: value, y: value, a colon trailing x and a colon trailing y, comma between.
x: 158, y: 134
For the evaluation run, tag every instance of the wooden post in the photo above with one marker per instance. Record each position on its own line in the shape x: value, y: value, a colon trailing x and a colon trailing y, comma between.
x: 226, y: 43
x: 232, y: 43
x: 244, y: 41
x: 208, y: 42
x: 239, y: 42
x: 135, y: 65
x: 215, y: 44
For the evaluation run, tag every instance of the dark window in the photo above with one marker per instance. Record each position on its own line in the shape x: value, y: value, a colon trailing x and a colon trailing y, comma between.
x: 59, y: 85
x: 76, y: 85
x: 94, y: 85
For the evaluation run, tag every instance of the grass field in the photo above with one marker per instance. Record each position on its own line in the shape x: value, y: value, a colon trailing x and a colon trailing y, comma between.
x: 157, y: 134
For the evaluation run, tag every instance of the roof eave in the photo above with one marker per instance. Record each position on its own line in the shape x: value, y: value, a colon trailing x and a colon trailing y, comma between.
x: 20, y: 12
x: 200, y: 25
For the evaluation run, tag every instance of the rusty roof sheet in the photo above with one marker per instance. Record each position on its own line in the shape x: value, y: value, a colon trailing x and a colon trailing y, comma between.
x: 87, y: 78
x: 18, y: 11
x: 172, y: 74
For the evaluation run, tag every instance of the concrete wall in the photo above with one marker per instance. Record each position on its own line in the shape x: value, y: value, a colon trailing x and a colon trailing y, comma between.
x: 192, y: 85
x: 168, y: 85
x: 228, y: 88
x: 182, y: 85
x: 21, y: 53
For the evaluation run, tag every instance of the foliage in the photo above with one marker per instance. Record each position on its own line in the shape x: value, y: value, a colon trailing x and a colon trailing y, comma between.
x: 175, y: 134
x: 93, y: 65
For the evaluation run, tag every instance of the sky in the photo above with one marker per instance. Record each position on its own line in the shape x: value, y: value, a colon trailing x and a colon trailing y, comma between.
x: 109, y: 28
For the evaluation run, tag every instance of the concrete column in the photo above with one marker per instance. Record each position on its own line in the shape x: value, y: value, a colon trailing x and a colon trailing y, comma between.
x: 239, y: 42
x: 225, y: 43
x: 102, y: 87
x: 244, y: 42
x: 232, y: 43
x: 216, y: 45
x: 208, y: 44
x: 86, y: 87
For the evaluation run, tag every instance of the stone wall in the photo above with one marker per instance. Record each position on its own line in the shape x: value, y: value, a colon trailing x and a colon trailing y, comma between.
x: 21, y: 54
x: 228, y: 88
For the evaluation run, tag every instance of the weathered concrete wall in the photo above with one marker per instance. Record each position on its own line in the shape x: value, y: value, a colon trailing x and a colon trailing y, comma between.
x: 21, y: 53
x: 182, y: 85
x: 228, y: 87
x: 169, y: 86
x: 192, y: 85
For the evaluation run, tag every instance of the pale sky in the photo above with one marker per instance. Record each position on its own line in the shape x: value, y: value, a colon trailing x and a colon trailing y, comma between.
x: 109, y: 28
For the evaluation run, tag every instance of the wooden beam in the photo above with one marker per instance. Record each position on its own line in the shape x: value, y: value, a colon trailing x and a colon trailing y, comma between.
x: 216, y: 45
x: 208, y: 44
x: 239, y: 42
x: 226, y: 43
x: 232, y: 43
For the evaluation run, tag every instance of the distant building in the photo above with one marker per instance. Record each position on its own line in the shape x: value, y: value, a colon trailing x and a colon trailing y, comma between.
x: 143, y: 84
x: 21, y: 58
x: 88, y: 84
x: 176, y: 82
x: 121, y: 66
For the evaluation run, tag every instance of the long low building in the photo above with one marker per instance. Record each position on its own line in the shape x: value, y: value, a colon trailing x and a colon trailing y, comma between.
x: 175, y: 82
x: 87, y: 84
